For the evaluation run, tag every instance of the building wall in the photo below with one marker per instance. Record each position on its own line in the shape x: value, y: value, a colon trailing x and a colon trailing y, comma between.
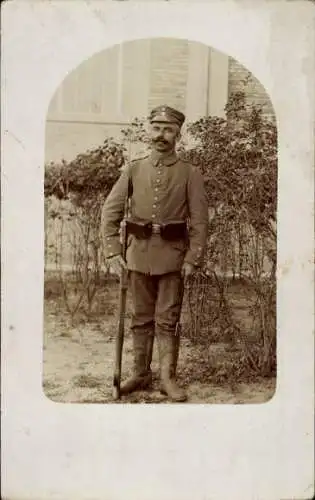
x: 168, y: 73
x: 98, y: 99
x: 255, y: 91
x: 106, y: 92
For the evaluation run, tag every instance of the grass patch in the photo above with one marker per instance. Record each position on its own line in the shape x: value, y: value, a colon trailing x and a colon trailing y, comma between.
x: 86, y: 380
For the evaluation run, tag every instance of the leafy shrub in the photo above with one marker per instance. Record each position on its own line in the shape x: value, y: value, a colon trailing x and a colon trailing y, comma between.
x: 87, y: 176
x: 238, y: 158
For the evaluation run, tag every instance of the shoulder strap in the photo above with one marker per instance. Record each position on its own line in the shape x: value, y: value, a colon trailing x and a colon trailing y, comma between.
x: 188, y: 170
x: 130, y: 185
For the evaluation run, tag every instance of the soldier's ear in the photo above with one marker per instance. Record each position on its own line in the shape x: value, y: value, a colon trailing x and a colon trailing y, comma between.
x: 178, y: 136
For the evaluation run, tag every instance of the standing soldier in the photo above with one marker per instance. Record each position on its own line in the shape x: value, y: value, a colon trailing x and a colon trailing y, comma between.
x: 167, y: 234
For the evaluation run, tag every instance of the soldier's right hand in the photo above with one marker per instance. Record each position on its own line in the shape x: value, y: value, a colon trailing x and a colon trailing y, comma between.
x: 116, y: 264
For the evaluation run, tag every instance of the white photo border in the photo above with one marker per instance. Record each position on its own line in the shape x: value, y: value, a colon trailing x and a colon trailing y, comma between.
x: 70, y: 451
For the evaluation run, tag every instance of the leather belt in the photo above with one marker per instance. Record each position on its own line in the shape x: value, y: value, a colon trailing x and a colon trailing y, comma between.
x: 144, y: 229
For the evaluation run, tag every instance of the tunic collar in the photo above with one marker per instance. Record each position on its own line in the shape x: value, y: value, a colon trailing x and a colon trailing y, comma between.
x: 166, y: 159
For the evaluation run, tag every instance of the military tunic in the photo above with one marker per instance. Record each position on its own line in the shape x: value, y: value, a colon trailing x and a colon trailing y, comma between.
x: 165, y: 189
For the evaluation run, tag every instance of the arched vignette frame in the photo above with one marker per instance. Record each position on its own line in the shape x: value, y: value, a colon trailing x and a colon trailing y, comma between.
x: 209, y: 317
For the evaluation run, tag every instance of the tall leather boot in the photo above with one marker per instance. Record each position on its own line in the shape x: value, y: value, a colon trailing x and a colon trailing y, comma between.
x: 142, y: 375
x: 150, y: 351
x: 168, y: 354
x: 175, y: 352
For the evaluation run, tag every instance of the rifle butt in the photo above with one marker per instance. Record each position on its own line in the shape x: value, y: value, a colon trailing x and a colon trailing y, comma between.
x: 116, y: 388
x: 120, y: 336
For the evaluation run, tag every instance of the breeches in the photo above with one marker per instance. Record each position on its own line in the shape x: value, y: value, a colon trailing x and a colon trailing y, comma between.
x: 156, y: 300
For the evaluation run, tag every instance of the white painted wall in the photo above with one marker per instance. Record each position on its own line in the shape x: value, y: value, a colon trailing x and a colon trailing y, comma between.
x: 107, y: 91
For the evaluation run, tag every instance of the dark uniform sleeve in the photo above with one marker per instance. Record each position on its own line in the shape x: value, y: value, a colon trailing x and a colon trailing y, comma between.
x: 112, y: 215
x: 199, y: 218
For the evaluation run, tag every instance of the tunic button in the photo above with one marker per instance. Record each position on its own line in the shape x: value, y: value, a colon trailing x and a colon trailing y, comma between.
x: 154, y: 206
x: 153, y: 216
x: 155, y: 197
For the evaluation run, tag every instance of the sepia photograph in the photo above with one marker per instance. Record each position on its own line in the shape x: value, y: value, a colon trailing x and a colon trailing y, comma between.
x: 160, y: 229
x: 157, y: 265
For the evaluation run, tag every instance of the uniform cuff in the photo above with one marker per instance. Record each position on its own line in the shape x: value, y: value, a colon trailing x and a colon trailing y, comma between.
x: 112, y: 247
x: 195, y: 257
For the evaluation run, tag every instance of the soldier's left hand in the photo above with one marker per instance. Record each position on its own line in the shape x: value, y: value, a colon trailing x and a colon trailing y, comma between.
x: 187, y: 270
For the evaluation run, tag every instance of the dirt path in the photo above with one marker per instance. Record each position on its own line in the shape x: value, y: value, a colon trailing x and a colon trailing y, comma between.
x: 78, y: 365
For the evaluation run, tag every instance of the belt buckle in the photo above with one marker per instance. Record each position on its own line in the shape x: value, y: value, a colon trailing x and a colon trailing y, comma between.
x: 156, y: 228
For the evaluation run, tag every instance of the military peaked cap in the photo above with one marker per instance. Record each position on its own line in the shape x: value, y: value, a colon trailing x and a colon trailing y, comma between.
x: 167, y: 114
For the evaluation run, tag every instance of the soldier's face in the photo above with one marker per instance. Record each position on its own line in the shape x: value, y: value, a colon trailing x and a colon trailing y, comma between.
x: 164, y: 135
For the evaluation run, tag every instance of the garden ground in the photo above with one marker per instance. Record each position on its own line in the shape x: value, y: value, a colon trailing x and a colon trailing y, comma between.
x: 78, y: 364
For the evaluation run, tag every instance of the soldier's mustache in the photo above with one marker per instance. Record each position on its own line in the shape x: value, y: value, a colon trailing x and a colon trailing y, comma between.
x: 160, y: 139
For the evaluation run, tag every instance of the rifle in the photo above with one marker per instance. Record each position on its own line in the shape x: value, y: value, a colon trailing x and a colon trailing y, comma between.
x: 123, y: 286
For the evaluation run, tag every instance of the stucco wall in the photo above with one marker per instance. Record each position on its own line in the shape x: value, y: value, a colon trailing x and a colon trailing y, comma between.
x: 106, y: 92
